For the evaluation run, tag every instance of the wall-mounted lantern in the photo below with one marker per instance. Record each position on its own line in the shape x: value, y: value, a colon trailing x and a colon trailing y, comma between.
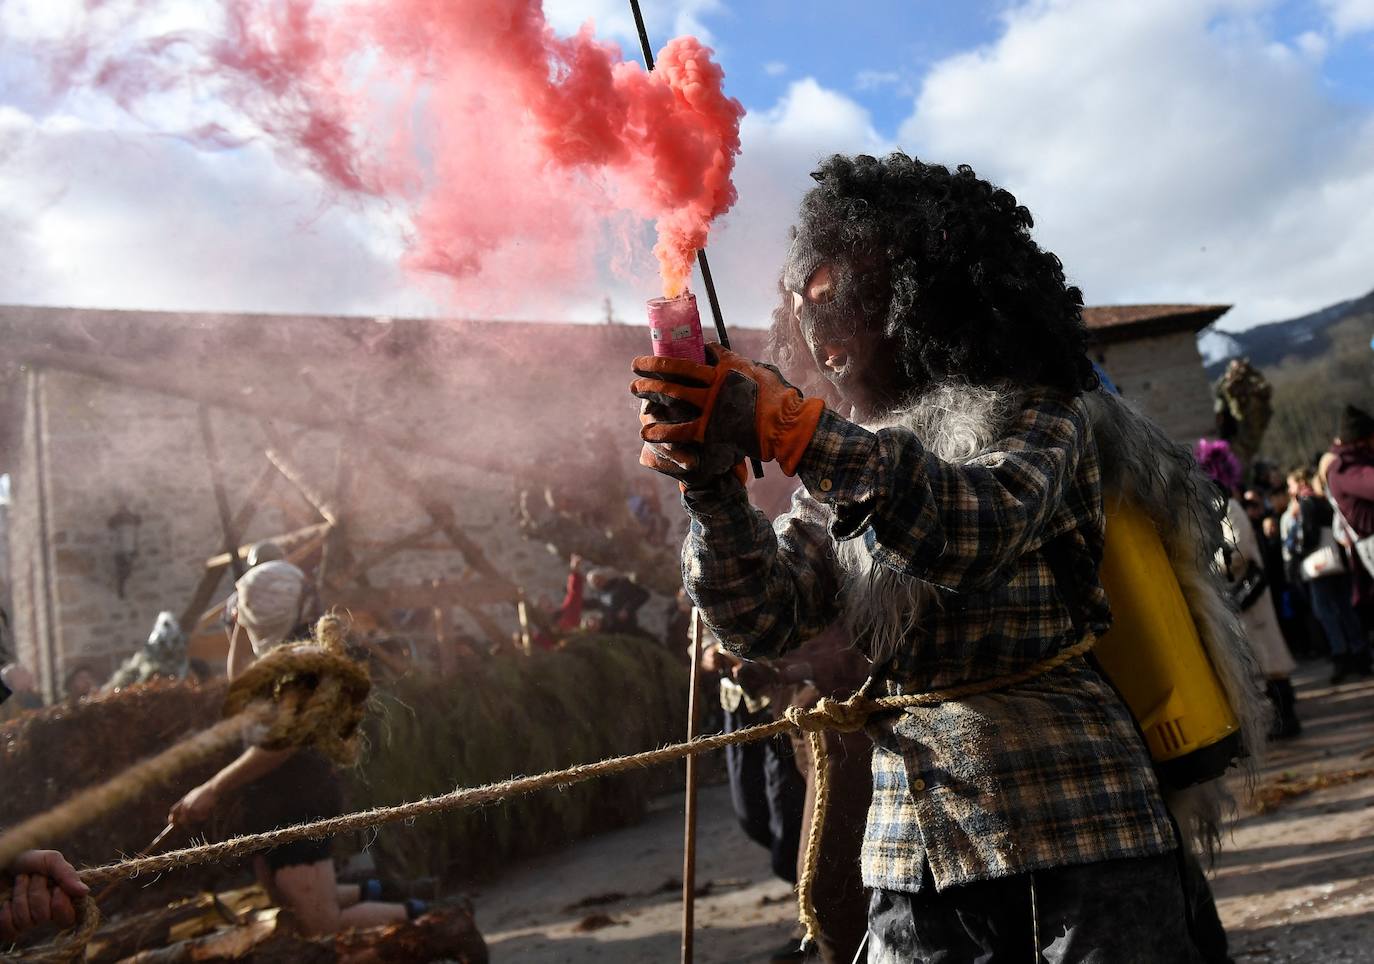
x: 124, y: 526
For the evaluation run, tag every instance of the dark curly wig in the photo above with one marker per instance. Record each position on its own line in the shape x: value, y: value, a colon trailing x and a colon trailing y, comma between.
x: 948, y: 267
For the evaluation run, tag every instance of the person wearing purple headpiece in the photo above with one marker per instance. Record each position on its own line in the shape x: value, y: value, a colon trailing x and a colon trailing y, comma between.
x: 1243, y: 563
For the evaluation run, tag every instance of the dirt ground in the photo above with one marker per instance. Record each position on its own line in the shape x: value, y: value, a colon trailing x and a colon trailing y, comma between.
x: 1294, y: 884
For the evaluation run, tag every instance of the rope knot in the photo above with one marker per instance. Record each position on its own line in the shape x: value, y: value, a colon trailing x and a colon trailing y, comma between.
x: 306, y: 694
x: 846, y: 716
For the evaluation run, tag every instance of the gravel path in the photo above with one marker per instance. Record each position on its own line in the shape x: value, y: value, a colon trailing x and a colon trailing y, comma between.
x: 1295, y: 884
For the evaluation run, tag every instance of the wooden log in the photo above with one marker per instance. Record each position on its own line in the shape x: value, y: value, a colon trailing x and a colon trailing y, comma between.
x: 297, y: 479
x: 226, y: 521
x: 288, y: 541
x: 411, y: 540
x: 209, y: 583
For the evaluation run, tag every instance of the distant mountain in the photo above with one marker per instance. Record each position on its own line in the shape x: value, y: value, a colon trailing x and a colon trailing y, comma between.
x: 1267, y: 345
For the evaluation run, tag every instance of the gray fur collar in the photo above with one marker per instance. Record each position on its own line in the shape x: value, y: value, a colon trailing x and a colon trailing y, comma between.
x: 958, y: 422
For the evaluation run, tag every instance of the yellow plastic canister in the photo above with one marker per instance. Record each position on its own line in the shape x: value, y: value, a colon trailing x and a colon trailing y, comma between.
x: 1156, y: 659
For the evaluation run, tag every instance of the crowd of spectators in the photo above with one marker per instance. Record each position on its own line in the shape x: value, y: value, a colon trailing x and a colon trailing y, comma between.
x: 1309, y: 522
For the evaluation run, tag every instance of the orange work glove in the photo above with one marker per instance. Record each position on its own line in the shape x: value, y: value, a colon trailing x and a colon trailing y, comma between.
x: 714, y: 411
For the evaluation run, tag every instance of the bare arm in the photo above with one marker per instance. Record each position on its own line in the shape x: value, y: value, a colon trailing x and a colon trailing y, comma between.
x: 253, y: 763
x: 240, y: 653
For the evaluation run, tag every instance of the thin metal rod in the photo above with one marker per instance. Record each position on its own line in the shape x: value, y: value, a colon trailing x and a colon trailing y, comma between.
x: 702, y: 262
x: 689, y: 833
x: 643, y: 35
x: 711, y: 297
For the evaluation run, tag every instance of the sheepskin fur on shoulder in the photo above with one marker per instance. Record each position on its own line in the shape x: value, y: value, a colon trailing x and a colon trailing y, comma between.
x: 958, y: 422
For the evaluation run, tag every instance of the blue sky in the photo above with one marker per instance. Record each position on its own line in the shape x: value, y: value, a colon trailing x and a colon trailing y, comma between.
x: 1208, y: 151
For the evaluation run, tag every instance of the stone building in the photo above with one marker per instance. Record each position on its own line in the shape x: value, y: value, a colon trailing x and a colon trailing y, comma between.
x: 141, y: 444
x: 1151, y: 353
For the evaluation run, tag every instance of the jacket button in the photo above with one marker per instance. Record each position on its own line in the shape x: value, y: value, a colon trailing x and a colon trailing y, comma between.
x: 826, y: 485
x: 918, y: 785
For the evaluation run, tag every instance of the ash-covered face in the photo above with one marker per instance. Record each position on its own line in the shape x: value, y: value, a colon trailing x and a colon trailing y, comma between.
x: 840, y: 307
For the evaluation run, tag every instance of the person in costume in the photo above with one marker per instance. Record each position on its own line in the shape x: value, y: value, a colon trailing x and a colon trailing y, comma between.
x: 1241, y: 559
x: 281, y: 788
x: 951, y: 509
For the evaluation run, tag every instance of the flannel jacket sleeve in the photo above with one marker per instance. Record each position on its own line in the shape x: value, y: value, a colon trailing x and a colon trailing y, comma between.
x: 763, y: 588
x: 962, y: 527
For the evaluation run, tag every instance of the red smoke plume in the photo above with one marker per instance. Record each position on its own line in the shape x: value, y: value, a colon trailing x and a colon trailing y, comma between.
x: 509, y: 146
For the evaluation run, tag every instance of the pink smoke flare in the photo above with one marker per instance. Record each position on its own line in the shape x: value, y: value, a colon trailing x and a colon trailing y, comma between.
x: 511, y: 149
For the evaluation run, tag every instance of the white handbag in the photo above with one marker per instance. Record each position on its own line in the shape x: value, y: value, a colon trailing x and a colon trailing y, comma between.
x: 1362, y: 549
x: 1326, y: 560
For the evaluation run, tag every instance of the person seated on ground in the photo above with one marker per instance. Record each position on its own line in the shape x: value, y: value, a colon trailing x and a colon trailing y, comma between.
x: 285, y: 787
x: 618, y: 598
x: 164, y: 654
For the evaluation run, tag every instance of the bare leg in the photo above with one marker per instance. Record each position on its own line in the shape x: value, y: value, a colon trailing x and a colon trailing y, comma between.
x: 372, y: 914
x: 349, y: 894
x: 308, y: 892
x: 311, y: 893
x: 264, y: 875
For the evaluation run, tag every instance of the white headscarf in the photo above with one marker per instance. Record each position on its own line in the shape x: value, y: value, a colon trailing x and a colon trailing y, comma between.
x: 270, y: 597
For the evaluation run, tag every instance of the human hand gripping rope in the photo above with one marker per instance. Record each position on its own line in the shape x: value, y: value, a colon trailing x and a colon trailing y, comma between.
x: 323, y: 713
x: 297, y: 695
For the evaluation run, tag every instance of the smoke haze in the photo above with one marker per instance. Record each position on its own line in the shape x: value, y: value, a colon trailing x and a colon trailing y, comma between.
x: 511, y: 156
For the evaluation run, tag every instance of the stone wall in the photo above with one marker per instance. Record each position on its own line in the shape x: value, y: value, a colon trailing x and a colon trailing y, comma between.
x: 106, y: 447
x: 1165, y: 377
x: 110, y: 420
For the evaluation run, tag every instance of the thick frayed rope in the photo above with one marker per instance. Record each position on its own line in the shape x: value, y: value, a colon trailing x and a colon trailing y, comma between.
x: 846, y: 715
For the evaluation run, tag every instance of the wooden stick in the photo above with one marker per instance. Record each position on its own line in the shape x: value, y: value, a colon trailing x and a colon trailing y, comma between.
x: 298, y: 480
x: 689, y: 835
x: 705, y: 265
x: 226, y: 517
x: 286, y: 541
x: 523, y: 612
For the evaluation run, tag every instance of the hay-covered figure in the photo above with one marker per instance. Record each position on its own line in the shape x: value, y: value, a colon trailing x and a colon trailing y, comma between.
x: 954, y: 516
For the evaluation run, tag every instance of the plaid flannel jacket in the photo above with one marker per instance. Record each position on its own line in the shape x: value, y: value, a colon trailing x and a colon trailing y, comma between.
x: 1050, y: 773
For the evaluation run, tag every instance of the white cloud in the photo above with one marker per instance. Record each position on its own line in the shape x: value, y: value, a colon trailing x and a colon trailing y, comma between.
x: 1350, y: 16
x: 106, y: 219
x: 1312, y: 44
x: 775, y: 68
x: 1169, y: 151
x: 876, y: 79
